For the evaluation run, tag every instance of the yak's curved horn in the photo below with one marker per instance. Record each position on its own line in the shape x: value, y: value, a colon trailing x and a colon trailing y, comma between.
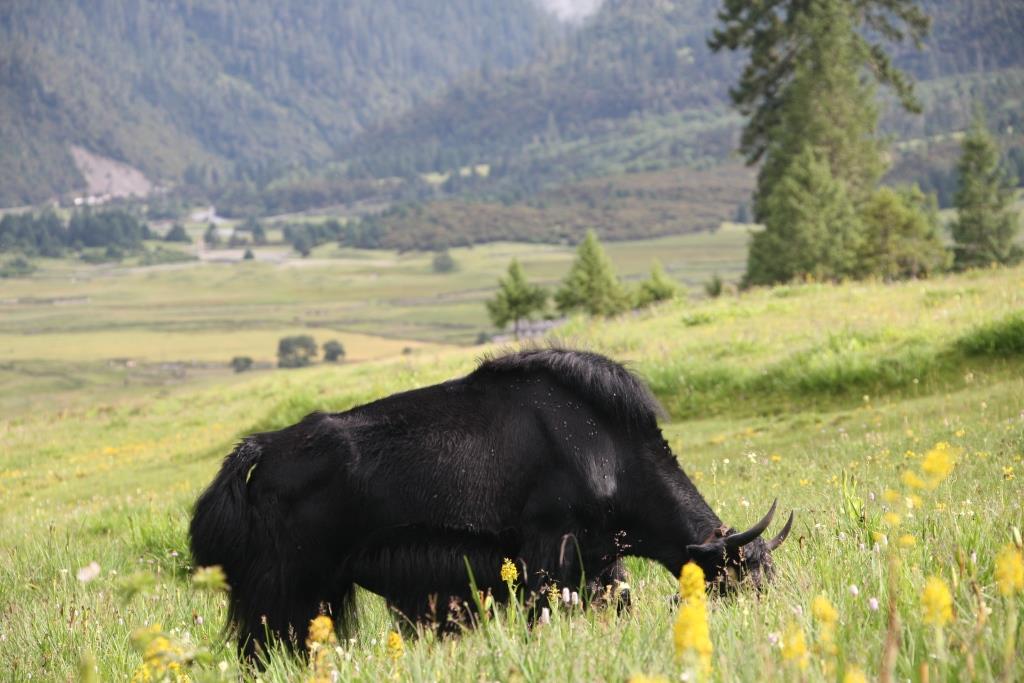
x: 744, y: 537
x: 777, y: 541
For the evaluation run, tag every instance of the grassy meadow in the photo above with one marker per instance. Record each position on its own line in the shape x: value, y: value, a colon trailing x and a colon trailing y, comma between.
x: 74, y: 331
x: 837, y: 400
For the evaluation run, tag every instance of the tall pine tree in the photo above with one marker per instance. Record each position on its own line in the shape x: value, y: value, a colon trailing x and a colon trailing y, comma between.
x: 775, y: 35
x: 828, y: 105
x: 516, y: 299
x: 591, y: 284
x: 813, y: 229
x: 809, y: 92
x: 987, y: 225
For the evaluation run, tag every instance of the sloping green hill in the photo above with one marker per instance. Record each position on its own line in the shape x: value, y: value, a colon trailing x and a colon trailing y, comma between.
x: 180, y: 86
x: 113, y: 484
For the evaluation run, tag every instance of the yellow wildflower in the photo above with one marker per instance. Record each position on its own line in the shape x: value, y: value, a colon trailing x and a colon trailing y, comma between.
x: 823, y: 610
x: 936, y: 602
x: 162, y: 659
x: 826, y: 616
x: 854, y: 675
x: 641, y: 678
x: 775, y: 457
x: 692, y: 635
x: 938, y: 463
x: 395, y: 646
x: 890, y: 496
x: 509, y: 573
x: 691, y: 582
x: 906, y: 541
x: 1010, y: 570
x: 891, y: 518
x: 321, y: 630
x: 794, y: 646
x: 912, y: 480
x: 1008, y: 473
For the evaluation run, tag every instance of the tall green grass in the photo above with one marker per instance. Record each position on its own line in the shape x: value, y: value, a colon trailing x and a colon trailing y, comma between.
x: 1003, y: 337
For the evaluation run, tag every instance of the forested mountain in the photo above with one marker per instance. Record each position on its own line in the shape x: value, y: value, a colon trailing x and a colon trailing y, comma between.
x: 632, y: 57
x: 267, y: 107
x: 968, y: 36
x: 643, y: 58
x: 176, y: 86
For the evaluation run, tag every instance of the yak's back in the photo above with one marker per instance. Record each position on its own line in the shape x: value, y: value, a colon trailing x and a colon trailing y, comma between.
x: 597, y: 379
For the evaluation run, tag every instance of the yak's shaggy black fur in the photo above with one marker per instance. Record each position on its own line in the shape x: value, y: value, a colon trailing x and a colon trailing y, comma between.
x: 551, y: 457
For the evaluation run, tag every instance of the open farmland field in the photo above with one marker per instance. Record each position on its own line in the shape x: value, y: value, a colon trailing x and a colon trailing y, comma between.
x: 73, y: 330
x: 834, y: 399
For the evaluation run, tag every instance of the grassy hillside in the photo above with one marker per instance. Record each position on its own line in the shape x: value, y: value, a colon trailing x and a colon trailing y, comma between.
x: 822, y: 396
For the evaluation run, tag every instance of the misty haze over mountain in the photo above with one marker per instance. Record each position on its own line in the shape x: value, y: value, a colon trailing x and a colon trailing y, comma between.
x: 571, y: 9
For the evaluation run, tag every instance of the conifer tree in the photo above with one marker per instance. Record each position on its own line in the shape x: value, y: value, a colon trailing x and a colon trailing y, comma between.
x: 775, y: 35
x: 809, y: 93
x: 211, y: 237
x: 658, y: 287
x: 814, y: 230
x: 591, y: 285
x: 827, y: 105
x: 986, y: 226
x: 516, y: 299
x: 901, y: 235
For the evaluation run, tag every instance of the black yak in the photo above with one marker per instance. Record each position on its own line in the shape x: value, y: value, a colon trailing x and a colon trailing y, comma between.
x: 550, y: 457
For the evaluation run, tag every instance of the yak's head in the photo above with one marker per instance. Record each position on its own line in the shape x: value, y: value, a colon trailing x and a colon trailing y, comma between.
x: 731, y: 558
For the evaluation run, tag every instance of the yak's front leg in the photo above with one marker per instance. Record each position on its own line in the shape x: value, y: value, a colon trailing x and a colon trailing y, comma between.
x: 611, y: 587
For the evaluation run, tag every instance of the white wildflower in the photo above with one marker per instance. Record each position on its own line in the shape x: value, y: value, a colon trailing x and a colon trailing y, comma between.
x: 88, y: 572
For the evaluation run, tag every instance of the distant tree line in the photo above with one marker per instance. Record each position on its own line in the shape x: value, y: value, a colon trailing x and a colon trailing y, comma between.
x: 304, y: 237
x: 633, y: 206
x: 47, y: 234
x: 591, y: 286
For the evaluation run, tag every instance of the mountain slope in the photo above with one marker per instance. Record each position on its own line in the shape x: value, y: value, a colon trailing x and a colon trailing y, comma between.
x: 633, y: 57
x: 166, y: 86
x: 638, y: 58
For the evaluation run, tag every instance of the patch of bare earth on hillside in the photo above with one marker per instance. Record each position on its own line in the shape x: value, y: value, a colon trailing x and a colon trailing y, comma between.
x: 107, y: 177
